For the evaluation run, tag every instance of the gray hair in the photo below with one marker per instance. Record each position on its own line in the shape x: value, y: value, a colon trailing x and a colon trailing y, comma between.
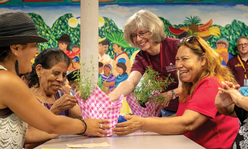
x: 144, y: 19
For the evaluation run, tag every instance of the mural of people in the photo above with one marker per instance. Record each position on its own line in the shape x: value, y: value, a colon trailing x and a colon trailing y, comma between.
x: 64, y: 43
x: 76, y: 62
x: 121, y: 70
x: 108, y: 79
x: 76, y: 50
x: 103, y: 45
x: 119, y: 44
x: 100, y: 69
x: 222, y: 49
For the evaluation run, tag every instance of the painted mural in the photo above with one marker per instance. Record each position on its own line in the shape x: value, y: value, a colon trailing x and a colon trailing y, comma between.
x: 219, y: 24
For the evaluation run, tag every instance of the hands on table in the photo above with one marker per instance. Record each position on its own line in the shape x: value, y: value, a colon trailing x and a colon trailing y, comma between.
x: 132, y: 124
x: 95, y: 127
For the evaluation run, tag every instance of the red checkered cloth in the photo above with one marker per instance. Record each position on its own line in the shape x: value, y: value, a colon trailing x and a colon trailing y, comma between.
x: 138, y: 110
x: 99, y: 106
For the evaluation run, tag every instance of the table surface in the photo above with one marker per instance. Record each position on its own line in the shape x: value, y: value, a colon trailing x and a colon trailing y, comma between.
x: 137, y: 140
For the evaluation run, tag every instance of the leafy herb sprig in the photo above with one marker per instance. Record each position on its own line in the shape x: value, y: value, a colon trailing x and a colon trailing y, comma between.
x: 85, y: 80
x: 151, y: 85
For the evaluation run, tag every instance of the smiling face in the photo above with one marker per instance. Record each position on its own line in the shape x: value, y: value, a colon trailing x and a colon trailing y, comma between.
x: 141, y: 39
x: 188, y: 64
x: 52, y: 79
x: 25, y: 55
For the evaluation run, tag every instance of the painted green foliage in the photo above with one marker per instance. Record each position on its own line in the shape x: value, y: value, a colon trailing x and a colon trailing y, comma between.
x: 110, y: 27
x: 59, y: 27
x: 231, y: 32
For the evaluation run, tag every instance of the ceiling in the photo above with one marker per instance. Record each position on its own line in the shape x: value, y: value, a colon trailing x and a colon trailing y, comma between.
x: 56, y: 2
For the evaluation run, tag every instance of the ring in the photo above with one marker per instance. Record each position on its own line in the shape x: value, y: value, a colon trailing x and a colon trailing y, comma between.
x: 100, y: 125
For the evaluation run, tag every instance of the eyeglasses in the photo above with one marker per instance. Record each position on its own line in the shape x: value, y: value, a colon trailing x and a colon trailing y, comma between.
x: 243, y: 44
x: 141, y: 35
x: 190, y: 40
x: 221, y: 43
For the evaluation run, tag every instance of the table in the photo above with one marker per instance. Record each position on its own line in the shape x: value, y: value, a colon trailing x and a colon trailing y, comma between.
x: 137, y: 140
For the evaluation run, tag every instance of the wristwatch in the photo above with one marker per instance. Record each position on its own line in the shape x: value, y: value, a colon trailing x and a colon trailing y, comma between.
x: 173, y: 94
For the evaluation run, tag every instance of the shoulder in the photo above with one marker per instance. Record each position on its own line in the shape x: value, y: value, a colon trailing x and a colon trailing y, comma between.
x: 208, y: 82
x: 170, y: 45
x: 9, y: 79
x: 123, y: 55
x: 106, y: 56
x: 233, y: 61
x: 234, y: 58
x: 170, y: 42
x: 11, y: 87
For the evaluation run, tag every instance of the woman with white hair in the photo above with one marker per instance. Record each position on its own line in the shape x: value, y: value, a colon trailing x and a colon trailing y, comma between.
x: 146, y: 31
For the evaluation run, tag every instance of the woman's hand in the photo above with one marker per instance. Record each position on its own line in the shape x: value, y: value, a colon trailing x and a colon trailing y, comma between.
x: 133, y: 124
x: 63, y: 103
x: 160, y: 106
x: 95, y: 127
x: 225, y: 98
x: 231, y: 90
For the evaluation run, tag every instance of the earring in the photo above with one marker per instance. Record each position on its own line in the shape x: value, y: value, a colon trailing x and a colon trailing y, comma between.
x: 38, y: 76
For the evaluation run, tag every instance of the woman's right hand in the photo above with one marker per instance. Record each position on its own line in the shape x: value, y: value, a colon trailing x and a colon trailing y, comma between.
x: 63, y: 103
x: 94, y: 127
x: 132, y: 124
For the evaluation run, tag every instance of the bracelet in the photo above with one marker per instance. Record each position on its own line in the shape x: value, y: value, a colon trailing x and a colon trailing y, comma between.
x: 85, y: 127
x: 173, y: 95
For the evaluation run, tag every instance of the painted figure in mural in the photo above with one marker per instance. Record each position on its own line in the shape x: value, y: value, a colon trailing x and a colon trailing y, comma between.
x: 76, y: 50
x: 201, y: 73
x: 100, y: 70
x: 102, y: 49
x: 71, y: 77
x: 222, y: 49
x: 64, y: 43
x: 230, y: 101
x: 108, y: 79
x: 76, y: 63
x: 119, y: 44
x: 18, y: 105
x: 121, y: 70
x: 146, y: 31
x: 239, y: 64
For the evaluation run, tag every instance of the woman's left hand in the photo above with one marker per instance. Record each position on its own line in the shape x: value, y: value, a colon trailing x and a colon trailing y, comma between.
x: 132, y: 124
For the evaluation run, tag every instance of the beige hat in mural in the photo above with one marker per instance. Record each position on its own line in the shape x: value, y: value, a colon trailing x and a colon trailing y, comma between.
x: 18, y: 28
x: 101, y: 39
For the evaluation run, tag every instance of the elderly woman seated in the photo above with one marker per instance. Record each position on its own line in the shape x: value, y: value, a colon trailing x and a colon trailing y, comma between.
x: 201, y: 73
x: 48, y: 79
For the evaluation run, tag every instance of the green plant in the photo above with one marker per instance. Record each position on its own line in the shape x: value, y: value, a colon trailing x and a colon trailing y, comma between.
x: 151, y: 85
x: 85, y: 80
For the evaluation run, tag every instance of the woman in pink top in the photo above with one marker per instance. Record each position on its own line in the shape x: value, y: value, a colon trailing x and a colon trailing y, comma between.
x: 200, y: 72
